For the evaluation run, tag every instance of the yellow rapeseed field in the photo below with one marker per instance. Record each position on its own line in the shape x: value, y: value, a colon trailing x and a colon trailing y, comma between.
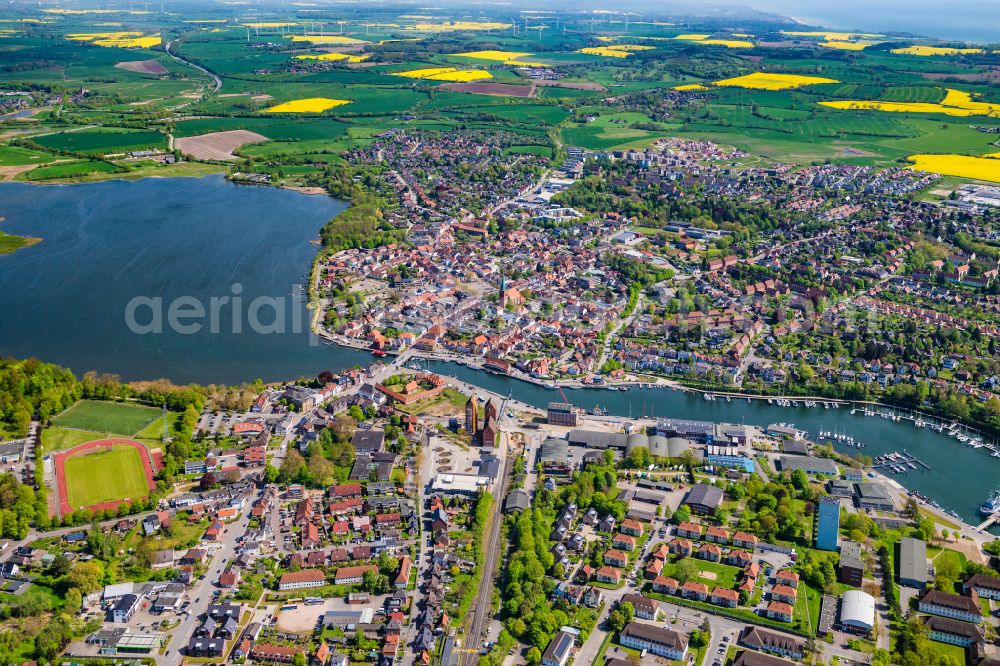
x: 347, y: 57
x: 963, y: 166
x: 270, y: 24
x: 506, y: 57
x: 500, y: 56
x: 963, y: 100
x: 123, y: 40
x: 205, y: 21
x: 845, y: 46
x: 770, y: 81
x: 691, y: 86
x: 955, y: 103
x: 933, y: 51
x: 898, y: 107
x: 451, y: 74
x: 452, y: 26
x: 326, y: 39
x: 706, y: 39
x: 308, y: 105
x: 616, y: 51
x: 606, y: 51
x: 729, y: 43
x: 831, y: 36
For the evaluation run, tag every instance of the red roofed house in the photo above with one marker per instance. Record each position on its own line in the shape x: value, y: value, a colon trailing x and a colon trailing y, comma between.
x: 229, y: 579
x: 787, y: 577
x: 632, y: 527
x: 723, y: 597
x: 277, y: 653
x: 616, y: 558
x: 680, y: 547
x: 310, y: 535
x: 784, y: 593
x: 295, y: 580
x: 693, y: 590
x: 403, y: 578
x: 665, y: 585
x: 254, y: 456
x: 352, y: 575
x: 608, y: 575
x: 717, y: 535
x: 387, y: 518
x: 214, y: 530
x: 710, y: 552
x: 653, y: 569
x: 345, y: 490
x: 739, y: 558
x: 690, y: 530
x: 777, y: 610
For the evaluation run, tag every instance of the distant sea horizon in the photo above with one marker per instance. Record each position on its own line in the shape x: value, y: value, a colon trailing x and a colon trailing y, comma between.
x: 961, y: 20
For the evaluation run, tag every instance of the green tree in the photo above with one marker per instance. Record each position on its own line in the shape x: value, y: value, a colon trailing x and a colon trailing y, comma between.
x: 628, y: 611
x: 686, y: 570
x: 86, y: 576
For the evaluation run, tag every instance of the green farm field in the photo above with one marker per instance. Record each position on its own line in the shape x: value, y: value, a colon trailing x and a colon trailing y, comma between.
x: 72, y: 169
x: 18, y: 156
x: 611, y: 131
x: 102, y: 142
x: 105, y: 476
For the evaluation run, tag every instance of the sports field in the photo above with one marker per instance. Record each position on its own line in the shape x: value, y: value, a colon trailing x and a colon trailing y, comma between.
x: 107, y: 417
x: 104, y: 475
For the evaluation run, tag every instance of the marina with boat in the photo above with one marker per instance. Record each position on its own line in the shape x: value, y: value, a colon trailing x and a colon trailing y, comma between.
x: 929, y: 438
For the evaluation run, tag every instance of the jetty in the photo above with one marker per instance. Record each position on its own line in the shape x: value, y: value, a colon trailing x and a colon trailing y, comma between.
x: 896, y: 462
x: 988, y: 523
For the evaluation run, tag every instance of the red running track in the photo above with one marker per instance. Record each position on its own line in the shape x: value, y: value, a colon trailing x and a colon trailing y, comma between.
x: 59, y: 460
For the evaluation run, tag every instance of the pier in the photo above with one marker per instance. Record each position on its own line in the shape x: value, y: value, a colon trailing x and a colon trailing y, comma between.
x: 895, y: 462
x: 988, y: 523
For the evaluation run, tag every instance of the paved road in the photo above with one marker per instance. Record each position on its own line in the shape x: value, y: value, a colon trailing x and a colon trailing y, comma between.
x: 200, y: 593
x: 588, y: 651
x: 216, y: 81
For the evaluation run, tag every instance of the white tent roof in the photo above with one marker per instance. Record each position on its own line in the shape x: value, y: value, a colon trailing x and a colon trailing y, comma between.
x: 858, y: 609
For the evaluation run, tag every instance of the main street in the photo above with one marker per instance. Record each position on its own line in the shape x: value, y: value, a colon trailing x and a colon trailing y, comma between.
x: 200, y: 593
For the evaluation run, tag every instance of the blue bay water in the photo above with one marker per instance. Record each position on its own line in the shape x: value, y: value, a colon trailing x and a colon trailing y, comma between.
x: 64, y: 300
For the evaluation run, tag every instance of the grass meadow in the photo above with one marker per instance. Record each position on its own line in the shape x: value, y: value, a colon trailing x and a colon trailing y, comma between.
x: 107, y: 417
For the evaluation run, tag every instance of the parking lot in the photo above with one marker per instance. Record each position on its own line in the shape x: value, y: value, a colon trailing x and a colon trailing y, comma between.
x: 451, y: 458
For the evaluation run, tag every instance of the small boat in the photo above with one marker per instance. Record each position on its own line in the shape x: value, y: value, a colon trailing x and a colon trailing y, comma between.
x: 991, y: 505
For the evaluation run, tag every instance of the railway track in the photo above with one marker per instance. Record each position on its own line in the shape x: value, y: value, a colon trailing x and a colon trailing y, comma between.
x: 481, y: 610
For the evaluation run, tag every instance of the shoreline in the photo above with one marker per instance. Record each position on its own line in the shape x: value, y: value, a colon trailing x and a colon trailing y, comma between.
x: 476, y: 363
